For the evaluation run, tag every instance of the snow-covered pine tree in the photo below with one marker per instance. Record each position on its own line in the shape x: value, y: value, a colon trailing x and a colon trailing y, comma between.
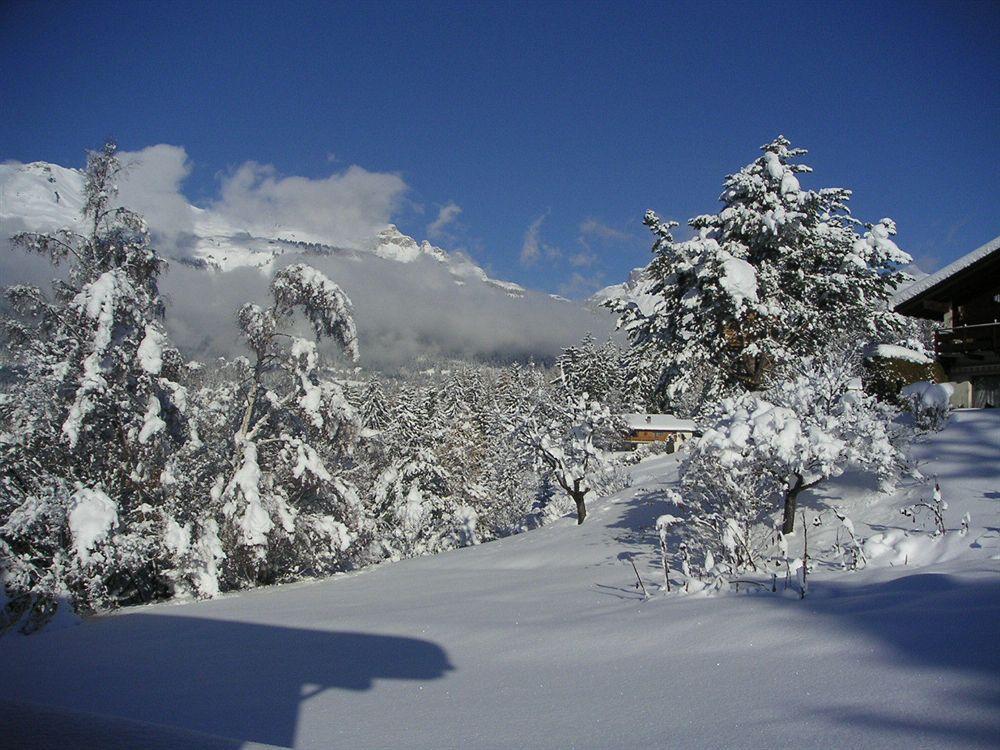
x: 284, y: 504
x: 590, y: 369
x: 639, y: 377
x: 772, y: 277
x: 408, y: 415
x: 416, y: 512
x: 376, y: 413
x: 91, y: 417
x: 567, y: 366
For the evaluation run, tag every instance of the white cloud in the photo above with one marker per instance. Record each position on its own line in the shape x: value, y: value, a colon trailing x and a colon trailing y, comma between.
x: 531, y: 247
x: 591, y: 227
x: 580, y: 285
x: 398, y: 309
x: 446, y: 216
x: 346, y: 208
x: 151, y: 185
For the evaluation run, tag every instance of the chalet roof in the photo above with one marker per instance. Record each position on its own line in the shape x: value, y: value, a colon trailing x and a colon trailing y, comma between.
x: 906, y: 300
x: 658, y: 422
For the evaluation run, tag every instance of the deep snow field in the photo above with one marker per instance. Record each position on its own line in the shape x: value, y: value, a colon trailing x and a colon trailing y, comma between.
x: 542, y: 641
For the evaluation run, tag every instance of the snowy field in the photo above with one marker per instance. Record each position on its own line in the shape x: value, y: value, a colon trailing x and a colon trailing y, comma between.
x: 541, y: 640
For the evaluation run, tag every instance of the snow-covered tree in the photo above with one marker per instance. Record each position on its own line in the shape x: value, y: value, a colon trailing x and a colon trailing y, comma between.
x: 573, y: 441
x: 777, y: 274
x: 274, y: 466
x: 763, y: 450
x: 592, y: 370
x: 416, y: 511
x: 376, y: 413
x: 95, y: 412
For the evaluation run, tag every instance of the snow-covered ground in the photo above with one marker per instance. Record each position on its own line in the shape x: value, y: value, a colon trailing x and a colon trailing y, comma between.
x: 541, y: 640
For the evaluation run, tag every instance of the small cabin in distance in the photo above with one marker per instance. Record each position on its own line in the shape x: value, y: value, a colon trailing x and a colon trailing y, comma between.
x: 965, y: 297
x: 657, y: 428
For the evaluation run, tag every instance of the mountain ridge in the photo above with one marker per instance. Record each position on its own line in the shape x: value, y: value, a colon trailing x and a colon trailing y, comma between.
x: 412, y: 298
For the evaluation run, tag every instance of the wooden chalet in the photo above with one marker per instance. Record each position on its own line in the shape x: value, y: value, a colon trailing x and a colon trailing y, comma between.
x: 965, y: 297
x: 657, y: 428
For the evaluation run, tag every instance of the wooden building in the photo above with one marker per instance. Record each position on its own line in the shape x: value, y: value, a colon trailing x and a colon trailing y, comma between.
x: 965, y: 297
x: 657, y: 428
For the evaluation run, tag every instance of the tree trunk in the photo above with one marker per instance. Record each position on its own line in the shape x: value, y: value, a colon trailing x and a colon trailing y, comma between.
x: 581, y: 506
x: 791, y: 500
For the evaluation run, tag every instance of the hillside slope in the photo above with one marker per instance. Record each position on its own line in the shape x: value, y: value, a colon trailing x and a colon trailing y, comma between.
x: 541, y: 640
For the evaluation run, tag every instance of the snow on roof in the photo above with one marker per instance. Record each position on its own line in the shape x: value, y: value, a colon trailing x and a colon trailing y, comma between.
x: 951, y: 269
x: 891, y: 351
x: 665, y: 422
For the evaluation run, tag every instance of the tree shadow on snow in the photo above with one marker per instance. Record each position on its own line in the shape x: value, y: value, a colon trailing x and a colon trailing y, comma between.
x: 228, y: 679
x: 638, y: 522
x: 956, y: 451
x: 931, y: 621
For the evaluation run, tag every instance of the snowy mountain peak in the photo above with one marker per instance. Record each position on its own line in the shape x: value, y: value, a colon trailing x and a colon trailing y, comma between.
x: 392, y: 244
x: 635, y: 289
x: 404, y: 289
x: 626, y: 289
x: 43, y: 197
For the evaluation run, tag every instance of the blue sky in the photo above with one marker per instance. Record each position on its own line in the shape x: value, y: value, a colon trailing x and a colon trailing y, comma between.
x: 550, y: 125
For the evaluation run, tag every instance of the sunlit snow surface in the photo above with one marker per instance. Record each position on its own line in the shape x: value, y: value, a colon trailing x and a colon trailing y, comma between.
x: 542, y: 641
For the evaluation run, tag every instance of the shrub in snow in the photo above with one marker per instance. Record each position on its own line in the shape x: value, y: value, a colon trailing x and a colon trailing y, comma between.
x: 935, y: 507
x: 663, y: 524
x: 763, y: 450
x: 774, y: 276
x: 847, y: 545
x: 97, y: 411
x: 929, y: 403
x: 851, y: 546
x: 888, y: 369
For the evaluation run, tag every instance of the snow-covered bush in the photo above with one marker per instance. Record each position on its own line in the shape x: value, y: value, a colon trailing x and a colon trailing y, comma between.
x: 778, y: 274
x: 889, y: 369
x: 929, y: 403
x: 760, y: 451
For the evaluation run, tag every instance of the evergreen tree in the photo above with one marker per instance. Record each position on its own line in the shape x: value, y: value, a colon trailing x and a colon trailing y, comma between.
x: 85, y: 440
x: 376, y: 414
x: 415, y: 510
x: 772, y: 277
x: 280, y: 502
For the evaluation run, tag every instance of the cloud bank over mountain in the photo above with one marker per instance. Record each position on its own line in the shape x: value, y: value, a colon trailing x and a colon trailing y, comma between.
x: 412, y: 300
